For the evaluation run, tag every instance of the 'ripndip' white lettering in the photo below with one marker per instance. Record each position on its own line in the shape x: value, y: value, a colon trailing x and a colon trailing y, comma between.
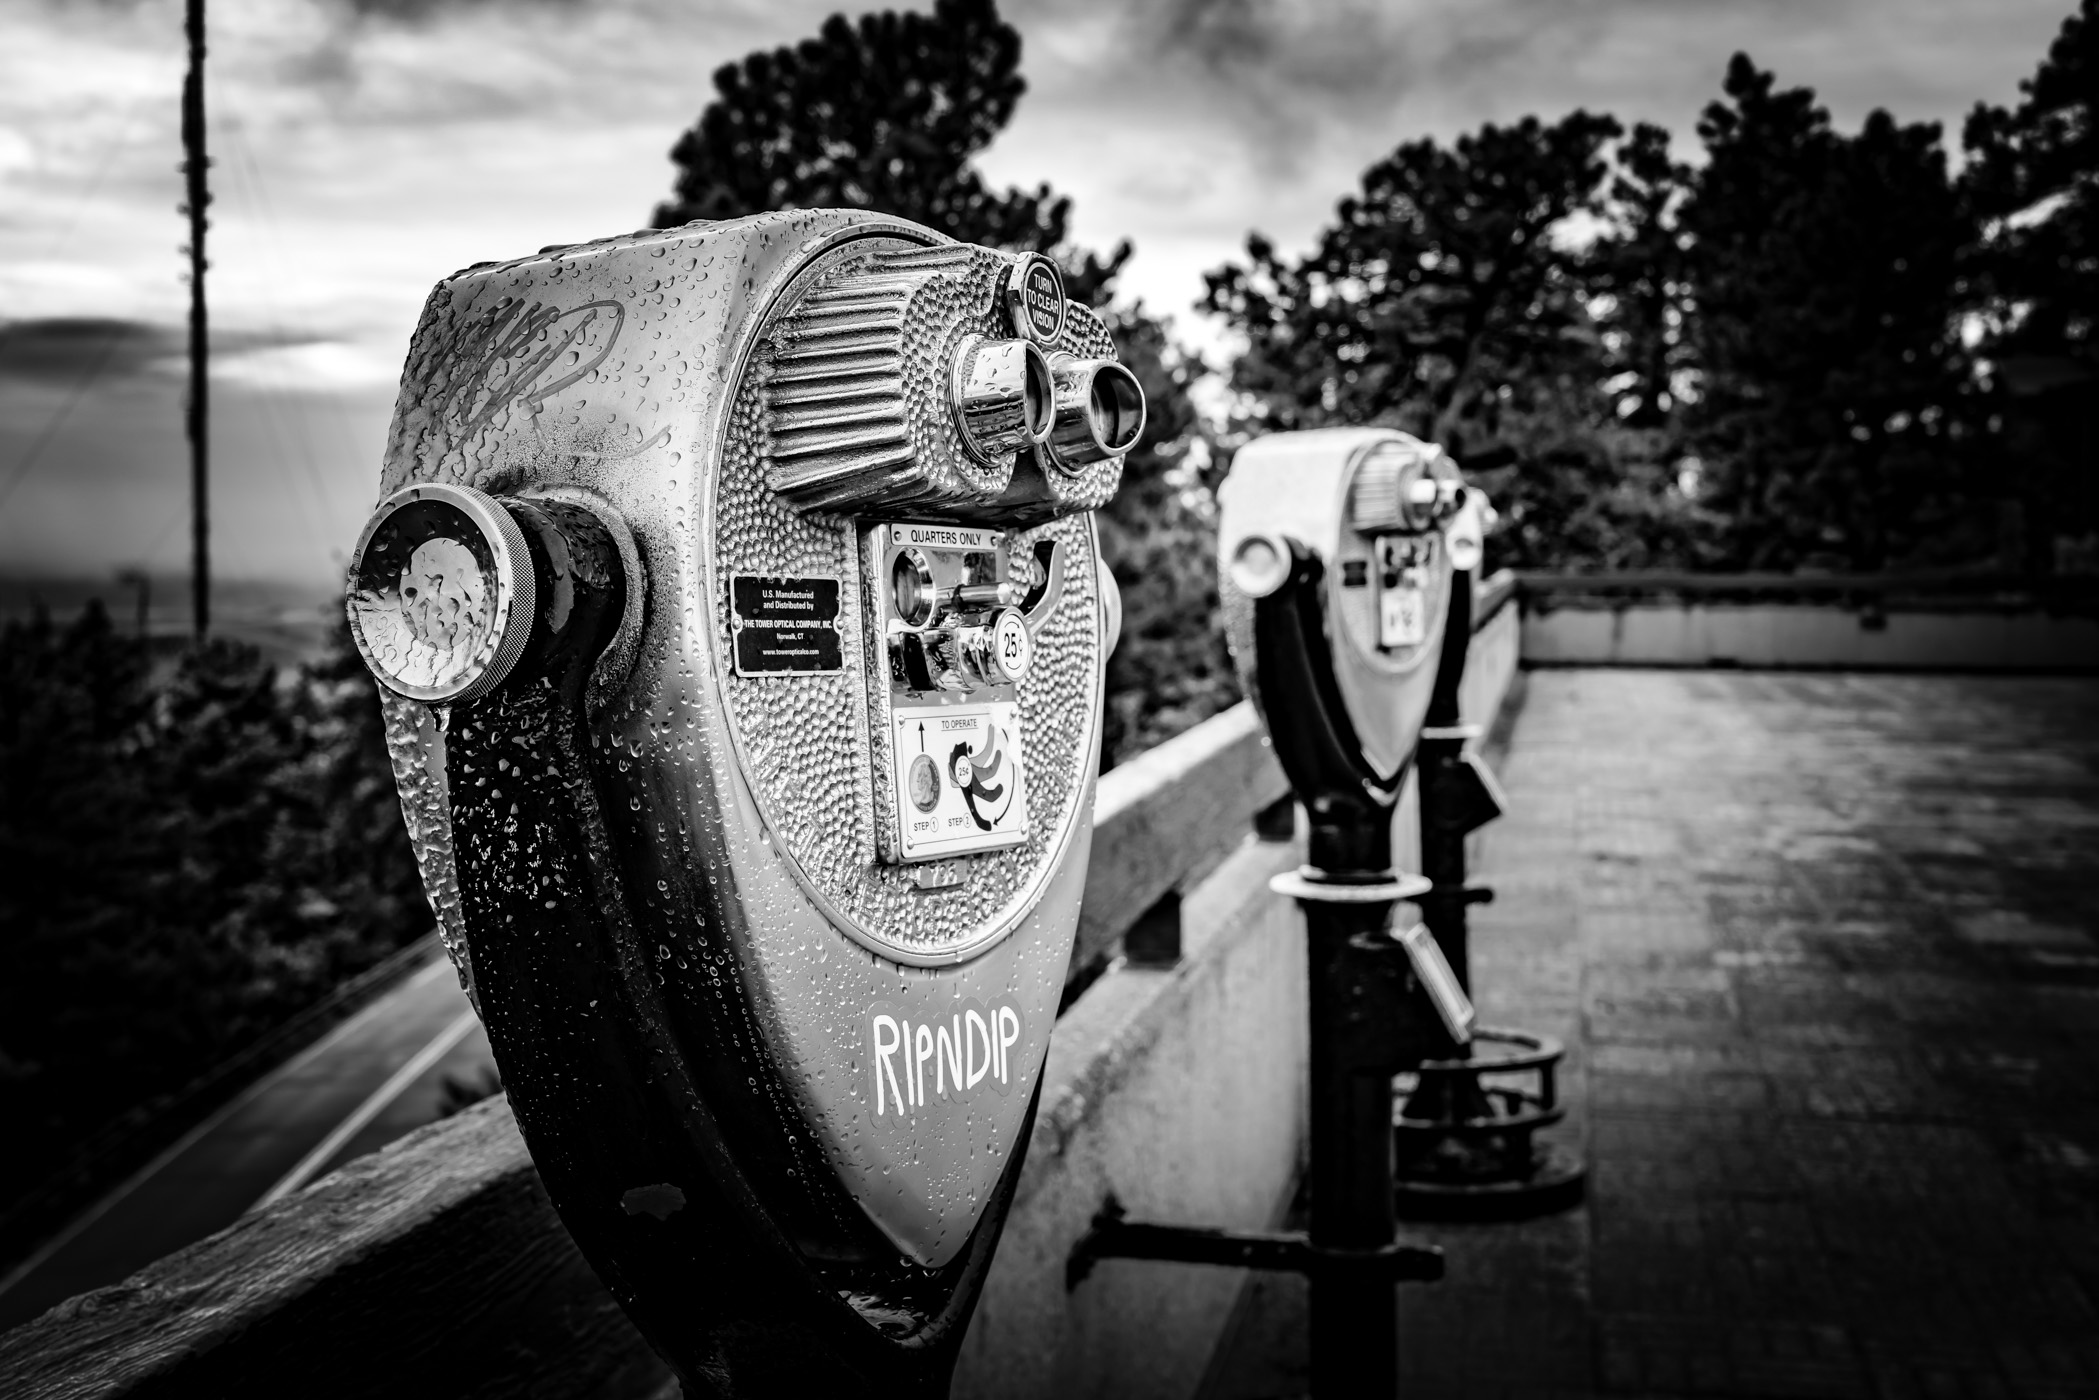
x: 918, y: 1060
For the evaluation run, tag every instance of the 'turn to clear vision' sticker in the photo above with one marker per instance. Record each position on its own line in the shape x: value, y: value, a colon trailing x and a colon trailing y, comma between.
x: 785, y: 626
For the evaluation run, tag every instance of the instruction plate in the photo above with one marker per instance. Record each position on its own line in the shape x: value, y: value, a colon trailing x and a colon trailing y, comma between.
x: 961, y: 779
x: 1402, y: 617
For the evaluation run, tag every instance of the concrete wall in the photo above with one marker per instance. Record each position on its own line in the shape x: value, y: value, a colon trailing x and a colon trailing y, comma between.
x: 1807, y: 635
x: 1181, y: 1092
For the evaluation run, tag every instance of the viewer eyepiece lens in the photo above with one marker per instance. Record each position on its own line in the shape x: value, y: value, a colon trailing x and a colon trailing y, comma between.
x: 1117, y: 406
x: 1260, y: 565
x: 1039, y: 396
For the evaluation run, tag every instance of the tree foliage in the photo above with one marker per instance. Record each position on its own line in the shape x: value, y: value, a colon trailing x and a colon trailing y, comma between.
x: 1435, y: 292
x: 1756, y: 360
x: 1452, y: 297
x: 2032, y: 185
x: 190, y: 851
x: 1158, y: 535
x: 1823, y: 270
x: 2032, y: 180
x: 1638, y: 275
x: 887, y: 113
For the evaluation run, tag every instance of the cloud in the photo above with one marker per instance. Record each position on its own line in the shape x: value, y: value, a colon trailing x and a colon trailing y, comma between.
x: 101, y: 482
x: 316, y: 366
x: 411, y: 11
x: 67, y: 350
x: 63, y: 349
x: 1224, y: 34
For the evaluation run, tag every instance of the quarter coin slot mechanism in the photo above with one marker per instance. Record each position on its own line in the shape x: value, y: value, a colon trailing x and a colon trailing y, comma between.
x: 1404, y: 569
x: 946, y: 603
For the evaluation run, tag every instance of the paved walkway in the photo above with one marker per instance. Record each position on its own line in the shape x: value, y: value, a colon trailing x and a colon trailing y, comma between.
x: 1825, y: 953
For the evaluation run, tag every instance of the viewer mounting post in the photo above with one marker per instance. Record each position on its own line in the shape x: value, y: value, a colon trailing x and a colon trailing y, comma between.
x: 197, y: 198
x: 1464, y: 1136
x: 1335, y: 549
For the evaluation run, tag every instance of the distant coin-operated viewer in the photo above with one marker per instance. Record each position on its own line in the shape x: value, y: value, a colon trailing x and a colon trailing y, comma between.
x: 1336, y: 552
x: 739, y: 610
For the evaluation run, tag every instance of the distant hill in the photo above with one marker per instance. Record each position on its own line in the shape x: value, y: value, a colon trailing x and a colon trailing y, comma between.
x: 287, y: 621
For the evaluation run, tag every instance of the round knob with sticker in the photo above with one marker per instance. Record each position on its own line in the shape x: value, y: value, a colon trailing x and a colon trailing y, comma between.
x: 441, y: 593
x: 1033, y: 290
x: 1000, y: 651
x: 1005, y: 648
x: 1013, y: 646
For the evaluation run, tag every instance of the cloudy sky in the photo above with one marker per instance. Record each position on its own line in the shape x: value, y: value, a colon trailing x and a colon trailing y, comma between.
x: 365, y: 148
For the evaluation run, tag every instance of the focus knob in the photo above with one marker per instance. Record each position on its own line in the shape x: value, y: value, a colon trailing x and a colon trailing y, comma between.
x: 999, y: 652
x: 441, y: 593
x: 453, y: 591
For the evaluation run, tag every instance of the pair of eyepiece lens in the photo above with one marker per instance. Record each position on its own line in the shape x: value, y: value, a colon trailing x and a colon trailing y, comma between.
x: 1008, y: 395
x: 1261, y: 564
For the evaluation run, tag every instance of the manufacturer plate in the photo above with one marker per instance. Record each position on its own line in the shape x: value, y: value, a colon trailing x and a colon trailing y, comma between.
x: 785, y: 626
x: 961, y: 779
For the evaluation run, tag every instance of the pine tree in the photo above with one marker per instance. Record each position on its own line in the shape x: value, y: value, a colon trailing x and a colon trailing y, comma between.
x: 1639, y: 268
x: 1437, y: 288
x: 890, y: 114
x: 2032, y: 184
x: 1158, y: 536
x: 2033, y: 178
x: 1823, y: 272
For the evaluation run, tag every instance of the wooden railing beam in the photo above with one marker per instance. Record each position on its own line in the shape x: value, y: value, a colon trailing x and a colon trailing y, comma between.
x: 440, y: 1260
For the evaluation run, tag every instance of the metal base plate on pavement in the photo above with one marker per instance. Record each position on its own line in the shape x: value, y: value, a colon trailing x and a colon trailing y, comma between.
x: 1556, y: 1182
x: 1465, y: 1134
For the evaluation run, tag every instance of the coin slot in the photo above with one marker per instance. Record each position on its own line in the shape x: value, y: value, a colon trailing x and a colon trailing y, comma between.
x: 912, y: 591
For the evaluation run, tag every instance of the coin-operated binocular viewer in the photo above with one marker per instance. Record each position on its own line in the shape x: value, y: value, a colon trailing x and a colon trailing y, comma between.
x: 1337, y: 576
x: 1336, y: 564
x: 739, y: 611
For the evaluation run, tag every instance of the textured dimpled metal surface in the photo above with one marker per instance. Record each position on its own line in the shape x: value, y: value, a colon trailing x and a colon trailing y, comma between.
x: 855, y: 379
x: 571, y: 365
x: 819, y: 776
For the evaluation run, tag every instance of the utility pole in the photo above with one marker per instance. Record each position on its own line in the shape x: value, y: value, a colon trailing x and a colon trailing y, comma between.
x: 194, y: 166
